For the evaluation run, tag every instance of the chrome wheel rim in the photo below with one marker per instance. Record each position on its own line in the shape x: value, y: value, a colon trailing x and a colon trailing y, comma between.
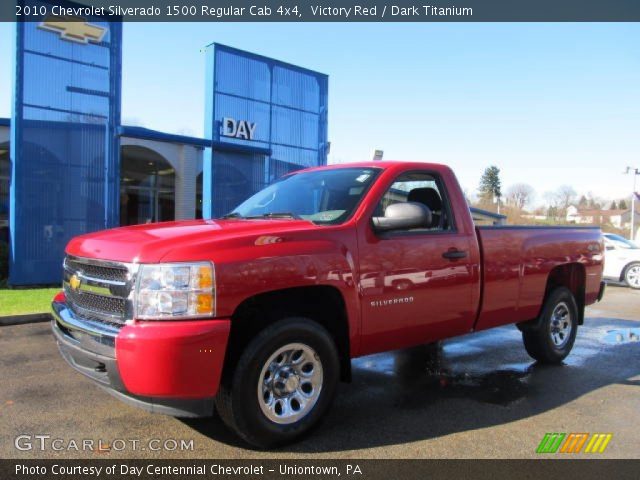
x: 290, y: 383
x: 561, y: 325
x: 633, y: 276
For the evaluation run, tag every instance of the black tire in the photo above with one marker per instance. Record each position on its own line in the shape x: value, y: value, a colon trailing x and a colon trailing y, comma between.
x: 626, y: 279
x: 238, y: 402
x: 549, y: 342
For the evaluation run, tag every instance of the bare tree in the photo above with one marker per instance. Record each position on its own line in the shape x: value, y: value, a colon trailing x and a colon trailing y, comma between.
x: 565, y: 196
x: 559, y: 200
x: 520, y: 195
x: 594, y: 202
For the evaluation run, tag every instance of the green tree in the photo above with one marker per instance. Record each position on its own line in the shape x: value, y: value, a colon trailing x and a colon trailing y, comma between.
x: 613, y: 206
x: 622, y: 205
x: 490, y: 184
x: 583, y: 201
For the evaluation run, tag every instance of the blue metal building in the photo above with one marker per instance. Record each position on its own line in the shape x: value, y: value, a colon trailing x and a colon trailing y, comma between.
x: 264, y: 118
x: 64, y: 147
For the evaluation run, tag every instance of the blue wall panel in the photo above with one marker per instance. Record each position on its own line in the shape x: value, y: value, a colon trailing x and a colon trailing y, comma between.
x: 64, y: 145
x: 287, y: 104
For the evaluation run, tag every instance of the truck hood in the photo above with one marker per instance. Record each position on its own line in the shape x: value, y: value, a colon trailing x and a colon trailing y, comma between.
x: 152, y: 242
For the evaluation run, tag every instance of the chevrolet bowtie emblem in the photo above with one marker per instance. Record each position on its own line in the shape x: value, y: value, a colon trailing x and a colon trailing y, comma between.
x: 74, y: 282
x: 74, y: 29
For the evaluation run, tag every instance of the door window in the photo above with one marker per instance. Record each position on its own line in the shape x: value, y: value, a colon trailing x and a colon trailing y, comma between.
x: 420, y: 187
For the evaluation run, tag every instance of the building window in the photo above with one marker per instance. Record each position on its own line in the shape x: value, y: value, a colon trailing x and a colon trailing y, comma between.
x: 147, y: 187
x: 199, y: 195
x: 236, y: 176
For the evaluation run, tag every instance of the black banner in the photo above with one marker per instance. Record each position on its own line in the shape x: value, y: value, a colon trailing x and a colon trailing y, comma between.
x: 332, y: 10
x: 318, y: 469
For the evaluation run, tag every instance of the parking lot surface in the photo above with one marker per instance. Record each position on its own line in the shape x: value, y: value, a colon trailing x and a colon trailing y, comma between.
x: 481, y: 397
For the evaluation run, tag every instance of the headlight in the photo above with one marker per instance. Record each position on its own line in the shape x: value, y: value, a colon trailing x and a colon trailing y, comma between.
x: 175, y: 290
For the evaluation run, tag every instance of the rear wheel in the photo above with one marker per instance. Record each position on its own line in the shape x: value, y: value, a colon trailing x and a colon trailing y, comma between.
x: 632, y: 276
x: 282, y: 385
x: 552, y: 339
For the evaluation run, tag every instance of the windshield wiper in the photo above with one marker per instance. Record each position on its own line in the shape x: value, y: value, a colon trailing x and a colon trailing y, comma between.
x: 276, y: 215
x: 232, y: 215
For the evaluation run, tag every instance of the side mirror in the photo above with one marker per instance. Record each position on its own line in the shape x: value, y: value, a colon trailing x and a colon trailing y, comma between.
x: 403, y: 216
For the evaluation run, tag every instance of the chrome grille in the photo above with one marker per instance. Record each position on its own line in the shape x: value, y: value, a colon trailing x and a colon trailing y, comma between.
x: 114, y: 274
x: 97, y: 303
x: 99, y: 290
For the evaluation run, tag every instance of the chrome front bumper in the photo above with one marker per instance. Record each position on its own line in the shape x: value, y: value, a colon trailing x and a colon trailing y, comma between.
x: 89, y: 347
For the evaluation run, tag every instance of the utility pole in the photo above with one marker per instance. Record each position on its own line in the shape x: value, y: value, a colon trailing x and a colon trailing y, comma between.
x: 635, y: 172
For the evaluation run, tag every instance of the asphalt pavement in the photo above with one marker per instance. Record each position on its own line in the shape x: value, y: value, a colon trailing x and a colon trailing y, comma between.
x: 481, y: 397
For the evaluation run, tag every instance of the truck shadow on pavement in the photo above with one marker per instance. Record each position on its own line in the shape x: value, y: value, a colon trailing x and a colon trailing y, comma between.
x: 471, y: 382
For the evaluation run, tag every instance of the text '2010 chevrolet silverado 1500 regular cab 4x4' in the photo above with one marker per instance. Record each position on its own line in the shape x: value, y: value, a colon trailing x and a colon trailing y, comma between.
x: 259, y: 313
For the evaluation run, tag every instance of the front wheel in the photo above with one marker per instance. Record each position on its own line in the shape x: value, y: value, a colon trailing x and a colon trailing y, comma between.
x: 553, y: 337
x: 632, y: 276
x: 282, y: 385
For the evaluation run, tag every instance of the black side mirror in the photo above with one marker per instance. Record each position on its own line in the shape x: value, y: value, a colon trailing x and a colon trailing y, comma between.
x: 403, y: 216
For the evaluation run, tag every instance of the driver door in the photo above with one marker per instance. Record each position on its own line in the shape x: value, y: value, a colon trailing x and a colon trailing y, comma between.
x: 413, y: 290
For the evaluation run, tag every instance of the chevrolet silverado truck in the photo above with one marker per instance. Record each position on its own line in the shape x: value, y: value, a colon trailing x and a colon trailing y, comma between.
x: 258, y: 314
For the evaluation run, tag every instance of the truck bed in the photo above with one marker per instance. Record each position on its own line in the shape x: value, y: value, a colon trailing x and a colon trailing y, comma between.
x: 516, y: 265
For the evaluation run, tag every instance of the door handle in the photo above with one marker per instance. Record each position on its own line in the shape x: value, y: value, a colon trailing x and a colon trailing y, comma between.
x: 454, y: 254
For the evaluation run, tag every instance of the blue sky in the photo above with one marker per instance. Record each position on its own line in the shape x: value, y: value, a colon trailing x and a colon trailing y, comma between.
x: 550, y: 104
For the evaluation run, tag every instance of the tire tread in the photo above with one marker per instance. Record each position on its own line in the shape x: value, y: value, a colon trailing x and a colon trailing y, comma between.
x: 229, y: 405
x: 536, y: 340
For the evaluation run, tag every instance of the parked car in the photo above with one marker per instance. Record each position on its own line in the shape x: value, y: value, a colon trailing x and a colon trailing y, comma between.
x: 260, y: 312
x: 622, y: 260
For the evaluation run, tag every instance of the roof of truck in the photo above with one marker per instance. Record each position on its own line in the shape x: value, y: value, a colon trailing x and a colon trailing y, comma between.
x: 383, y: 164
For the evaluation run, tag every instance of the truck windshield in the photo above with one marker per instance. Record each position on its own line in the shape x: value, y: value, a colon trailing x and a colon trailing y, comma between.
x: 321, y: 196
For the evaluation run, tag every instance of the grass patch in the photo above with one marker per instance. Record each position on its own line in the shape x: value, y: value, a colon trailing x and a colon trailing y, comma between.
x: 23, y: 301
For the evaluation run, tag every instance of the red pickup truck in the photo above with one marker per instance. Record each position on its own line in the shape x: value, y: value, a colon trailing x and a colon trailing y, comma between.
x: 260, y: 312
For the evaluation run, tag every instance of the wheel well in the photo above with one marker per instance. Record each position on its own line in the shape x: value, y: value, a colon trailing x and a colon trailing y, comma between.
x: 624, y: 269
x: 323, y: 304
x: 573, y: 277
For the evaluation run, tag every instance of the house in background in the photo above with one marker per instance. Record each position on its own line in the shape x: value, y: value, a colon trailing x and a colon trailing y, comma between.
x: 538, y: 215
x: 592, y: 216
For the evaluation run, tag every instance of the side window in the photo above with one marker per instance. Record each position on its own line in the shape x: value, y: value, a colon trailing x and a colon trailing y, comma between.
x: 423, y: 188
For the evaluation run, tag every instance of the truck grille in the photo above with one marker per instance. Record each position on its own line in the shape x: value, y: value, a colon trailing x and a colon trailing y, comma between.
x: 97, y: 303
x: 98, y: 290
x: 114, y: 274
